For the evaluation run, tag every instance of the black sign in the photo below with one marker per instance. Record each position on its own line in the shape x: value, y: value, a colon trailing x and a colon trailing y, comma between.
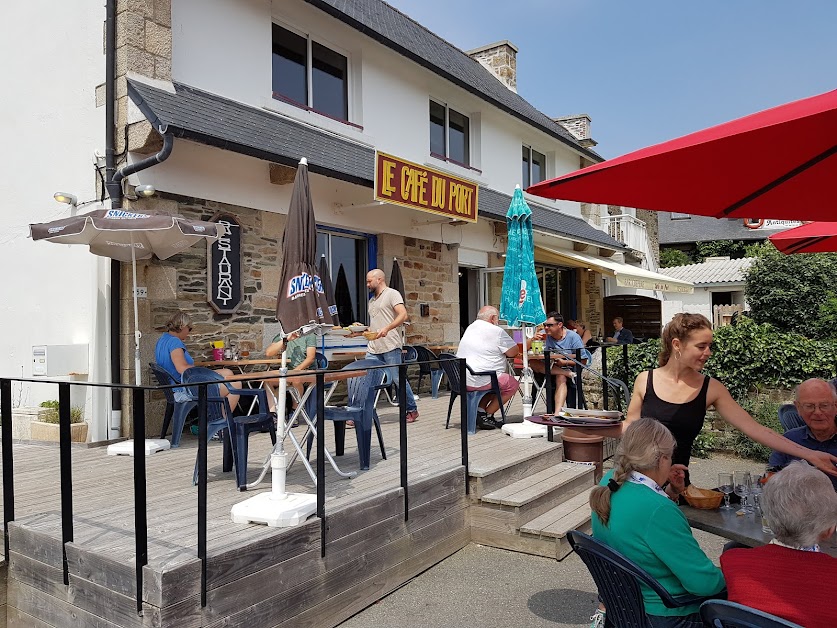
x: 224, y: 290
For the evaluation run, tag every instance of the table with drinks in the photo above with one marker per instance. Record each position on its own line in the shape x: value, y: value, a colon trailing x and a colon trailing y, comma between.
x: 743, y: 522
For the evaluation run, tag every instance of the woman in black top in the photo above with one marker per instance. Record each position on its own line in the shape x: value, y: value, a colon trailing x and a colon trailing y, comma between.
x: 677, y: 395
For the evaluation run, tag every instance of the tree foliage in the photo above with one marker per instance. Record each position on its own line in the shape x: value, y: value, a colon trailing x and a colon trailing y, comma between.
x: 794, y: 292
x: 673, y: 257
x: 734, y: 249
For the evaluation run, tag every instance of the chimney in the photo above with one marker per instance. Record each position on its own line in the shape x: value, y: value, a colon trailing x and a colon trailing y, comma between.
x: 500, y: 59
x: 579, y: 128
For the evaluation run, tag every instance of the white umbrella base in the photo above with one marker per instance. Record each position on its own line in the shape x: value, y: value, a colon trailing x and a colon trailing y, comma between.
x: 126, y: 447
x: 291, y: 510
x: 527, y: 429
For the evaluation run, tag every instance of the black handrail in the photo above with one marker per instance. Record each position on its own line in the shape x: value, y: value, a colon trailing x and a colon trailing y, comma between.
x: 463, y: 418
x: 139, y: 463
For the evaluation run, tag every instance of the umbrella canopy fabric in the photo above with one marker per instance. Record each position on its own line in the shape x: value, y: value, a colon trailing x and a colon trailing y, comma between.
x: 777, y: 163
x: 328, y: 288
x: 116, y: 233
x: 301, y: 299
x: 343, y: 297
x: 521, y: 294
x: 396, y: 281
x: 815, y: 237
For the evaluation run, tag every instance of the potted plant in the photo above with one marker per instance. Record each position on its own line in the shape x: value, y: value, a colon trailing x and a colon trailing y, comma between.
x: 47, y: 425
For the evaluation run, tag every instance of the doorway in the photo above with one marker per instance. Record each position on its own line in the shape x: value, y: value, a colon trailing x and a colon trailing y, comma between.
x: 468, y: 297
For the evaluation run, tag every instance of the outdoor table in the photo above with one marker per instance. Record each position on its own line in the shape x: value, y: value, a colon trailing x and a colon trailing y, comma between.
x: 304, y: 377
x: 243, y: 367
x: 745, y: 529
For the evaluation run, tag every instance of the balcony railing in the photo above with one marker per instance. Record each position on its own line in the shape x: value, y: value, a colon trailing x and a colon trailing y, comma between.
x: 628, y: 230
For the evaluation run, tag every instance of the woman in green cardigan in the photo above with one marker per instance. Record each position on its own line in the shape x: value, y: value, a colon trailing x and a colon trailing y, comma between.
x: 634, y: 515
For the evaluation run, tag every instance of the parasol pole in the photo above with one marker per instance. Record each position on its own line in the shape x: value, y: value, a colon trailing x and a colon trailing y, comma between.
x: 279, y: 459
x: 528, y: 332
x: 137, y: 332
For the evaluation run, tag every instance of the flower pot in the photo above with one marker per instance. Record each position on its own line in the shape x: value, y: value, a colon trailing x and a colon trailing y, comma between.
x: 50, y: 431
x: 579, y: 447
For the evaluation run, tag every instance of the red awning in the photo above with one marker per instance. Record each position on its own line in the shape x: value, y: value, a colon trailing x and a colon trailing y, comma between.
x: 779, y: 163
x: 815, y: 237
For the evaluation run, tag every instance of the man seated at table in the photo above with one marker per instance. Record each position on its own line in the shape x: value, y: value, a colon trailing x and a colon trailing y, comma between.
x: 622, y: 335
x: 301, y: 353
x: 816, y: 402
x: 485, y: 347
x: 790, y: 577
x: 561, y: 342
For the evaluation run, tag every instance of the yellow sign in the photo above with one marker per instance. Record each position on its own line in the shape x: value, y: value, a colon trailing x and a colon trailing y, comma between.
x: 411, y: 185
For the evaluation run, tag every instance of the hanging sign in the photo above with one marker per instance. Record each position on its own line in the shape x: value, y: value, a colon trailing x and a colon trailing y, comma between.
x: 224, y: 288
x: 412, y: 185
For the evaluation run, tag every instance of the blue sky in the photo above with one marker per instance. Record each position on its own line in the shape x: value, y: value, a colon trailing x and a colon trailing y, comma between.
x: 650, y: 70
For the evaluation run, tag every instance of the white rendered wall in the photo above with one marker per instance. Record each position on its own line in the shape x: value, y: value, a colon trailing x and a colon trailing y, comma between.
x: 389, y: 94
x: 54, y: 294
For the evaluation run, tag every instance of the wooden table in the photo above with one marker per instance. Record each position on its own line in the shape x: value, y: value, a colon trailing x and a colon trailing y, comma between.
x: 746, y: 529
x: 240, y: 364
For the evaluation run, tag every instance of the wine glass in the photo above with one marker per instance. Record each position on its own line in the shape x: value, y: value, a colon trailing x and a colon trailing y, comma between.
x: 725, y: 486
x: 756, y: 482
x: 741, y: 487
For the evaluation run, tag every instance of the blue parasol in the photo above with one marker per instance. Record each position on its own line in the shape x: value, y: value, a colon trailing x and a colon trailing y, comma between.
x: 521, y: 303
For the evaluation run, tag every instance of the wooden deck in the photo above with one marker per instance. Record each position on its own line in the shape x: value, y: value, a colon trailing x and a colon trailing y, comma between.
x: 257, y: 576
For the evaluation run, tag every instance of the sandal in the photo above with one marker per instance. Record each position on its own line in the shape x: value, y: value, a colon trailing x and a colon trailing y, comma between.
x: 350, y: 424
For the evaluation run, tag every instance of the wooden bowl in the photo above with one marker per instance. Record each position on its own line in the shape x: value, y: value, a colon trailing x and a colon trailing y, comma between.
x: 370, y: 335
x: 705, y: 500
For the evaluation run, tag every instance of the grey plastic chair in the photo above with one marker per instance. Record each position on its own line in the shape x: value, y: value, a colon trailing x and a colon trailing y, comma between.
x: 725, y: 614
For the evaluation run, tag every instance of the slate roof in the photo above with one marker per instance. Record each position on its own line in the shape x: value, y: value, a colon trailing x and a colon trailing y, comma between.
x: 711, y: 272
x: 393, y: 29
x: 704, y: 229
x: 210, y: 119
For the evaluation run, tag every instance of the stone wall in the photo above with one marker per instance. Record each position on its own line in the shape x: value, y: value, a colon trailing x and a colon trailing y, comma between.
x: 501, y: 60
x: 652, y: 226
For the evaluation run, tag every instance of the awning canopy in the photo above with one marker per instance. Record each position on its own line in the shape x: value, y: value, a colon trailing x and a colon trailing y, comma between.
x: 626, y: 275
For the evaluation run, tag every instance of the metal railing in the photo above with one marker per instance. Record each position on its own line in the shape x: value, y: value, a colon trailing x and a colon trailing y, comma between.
x: 139, y: 464
x: 628, y: 230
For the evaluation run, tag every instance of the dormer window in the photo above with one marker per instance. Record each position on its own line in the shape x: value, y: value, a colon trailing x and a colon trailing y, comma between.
x: 309, y: 74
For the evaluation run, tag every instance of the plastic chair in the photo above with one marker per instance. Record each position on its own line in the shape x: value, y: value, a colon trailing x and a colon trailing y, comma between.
x: 174, y: 410
x: 789, y: 417
x: 725, y: 614
x: 321, y: 361
x: 617, y: 580
x: 359, y: 408
x: 425, y: 355
x: 451, y: 369
x: 220, y: 416
x: 408, y: 355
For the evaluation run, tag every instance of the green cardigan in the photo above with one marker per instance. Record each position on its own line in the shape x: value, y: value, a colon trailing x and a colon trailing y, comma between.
x: 650, y: 530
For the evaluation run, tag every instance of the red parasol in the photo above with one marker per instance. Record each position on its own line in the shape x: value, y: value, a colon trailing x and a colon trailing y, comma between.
x: 815, y: 237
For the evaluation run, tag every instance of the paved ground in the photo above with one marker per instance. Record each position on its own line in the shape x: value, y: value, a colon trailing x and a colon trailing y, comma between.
x: 484, y: 587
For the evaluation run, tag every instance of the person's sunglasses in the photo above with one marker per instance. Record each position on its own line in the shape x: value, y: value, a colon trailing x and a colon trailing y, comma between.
x: 550, y: 324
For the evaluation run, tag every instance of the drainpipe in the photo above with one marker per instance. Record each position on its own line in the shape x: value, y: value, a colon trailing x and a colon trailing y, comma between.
x: 158, y: 158
x: 115, y: 194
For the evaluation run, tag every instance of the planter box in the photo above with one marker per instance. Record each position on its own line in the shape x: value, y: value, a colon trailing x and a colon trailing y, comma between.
x: 49, y: 431
x: 22, y: 419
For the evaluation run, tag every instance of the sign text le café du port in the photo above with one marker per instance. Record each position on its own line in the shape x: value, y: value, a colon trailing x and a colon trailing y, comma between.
x: 412, y: 185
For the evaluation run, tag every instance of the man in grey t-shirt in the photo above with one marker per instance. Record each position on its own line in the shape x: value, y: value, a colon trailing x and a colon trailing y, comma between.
x: 386, y: 315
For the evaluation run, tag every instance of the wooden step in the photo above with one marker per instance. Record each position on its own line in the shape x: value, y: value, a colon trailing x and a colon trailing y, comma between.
x: 507, y: 509
x: 550, y: 529
x: 517, y: 460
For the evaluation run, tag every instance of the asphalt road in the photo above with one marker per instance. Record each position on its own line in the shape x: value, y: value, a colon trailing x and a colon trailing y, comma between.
x: 485, y: 587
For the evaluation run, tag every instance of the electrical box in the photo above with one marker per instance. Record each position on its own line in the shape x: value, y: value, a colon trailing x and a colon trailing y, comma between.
x: 58, y: 360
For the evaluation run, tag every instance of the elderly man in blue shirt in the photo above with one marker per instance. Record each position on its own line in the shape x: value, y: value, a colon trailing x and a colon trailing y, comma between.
x: 816, y: 402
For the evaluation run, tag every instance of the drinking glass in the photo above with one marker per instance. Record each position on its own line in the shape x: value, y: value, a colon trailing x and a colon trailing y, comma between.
x: 741, y: 487
x: 756, y: 482
x: 725, y: 486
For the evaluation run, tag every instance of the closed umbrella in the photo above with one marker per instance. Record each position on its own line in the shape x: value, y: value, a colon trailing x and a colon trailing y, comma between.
x: 777, y: 163
x: 521, y: 303
x: 343, y: 297
x: 328, y: 289
x: 814, y: 237
x: 301, y: 307
x: 128, y: 236
x: 396, y: 280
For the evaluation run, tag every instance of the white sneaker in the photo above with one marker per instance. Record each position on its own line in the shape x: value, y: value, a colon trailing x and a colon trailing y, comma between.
x: 598, y: 619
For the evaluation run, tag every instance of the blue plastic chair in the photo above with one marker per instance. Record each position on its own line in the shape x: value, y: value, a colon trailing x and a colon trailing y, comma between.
x: 425, y: 356
x: 789, y: 417
x: 725, y: 614
x: 321, y: 361
x: 360, y: 408
x: 174, y: 410
x: 451, y: 370
x: 617, y: 579
x: 220, y: 417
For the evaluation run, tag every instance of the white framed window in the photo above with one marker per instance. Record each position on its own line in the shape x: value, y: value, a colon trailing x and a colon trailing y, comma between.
x: 534, y: 167
x: 310, y: 75
x: 450, y: 134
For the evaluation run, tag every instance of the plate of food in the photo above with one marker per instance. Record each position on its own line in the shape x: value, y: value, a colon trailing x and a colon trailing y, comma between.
x: 586, y: 422
x: 339, y: 331
x: 356, y: 327
x: 602, y: 414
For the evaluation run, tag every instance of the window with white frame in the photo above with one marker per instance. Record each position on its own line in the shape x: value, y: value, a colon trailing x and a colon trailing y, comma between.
x: 534, y: 167
x: 450, y: 134
x: 309, y: 74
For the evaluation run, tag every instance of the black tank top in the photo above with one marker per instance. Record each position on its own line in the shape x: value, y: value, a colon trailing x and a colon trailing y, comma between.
x: 685, y: 420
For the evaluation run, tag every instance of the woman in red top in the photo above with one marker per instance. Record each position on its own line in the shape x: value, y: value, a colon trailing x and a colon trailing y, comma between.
x: 790, y: 577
